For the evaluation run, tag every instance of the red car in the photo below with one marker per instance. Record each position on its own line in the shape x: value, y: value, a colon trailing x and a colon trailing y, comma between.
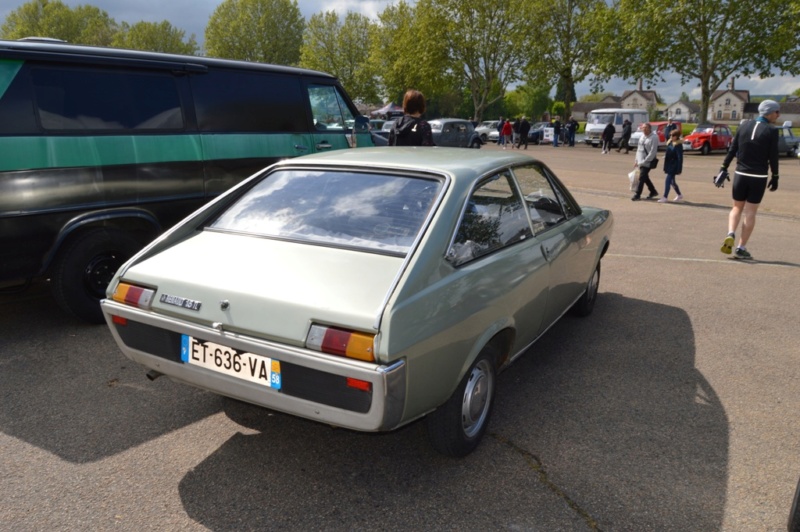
x: 708, y: 137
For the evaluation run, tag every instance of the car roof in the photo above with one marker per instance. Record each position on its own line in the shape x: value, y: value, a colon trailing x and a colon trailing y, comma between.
x: 443, y: 120
x: 460, y: 164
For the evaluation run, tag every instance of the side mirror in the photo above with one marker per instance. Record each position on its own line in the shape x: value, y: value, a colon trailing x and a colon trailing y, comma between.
x: 360, y: 125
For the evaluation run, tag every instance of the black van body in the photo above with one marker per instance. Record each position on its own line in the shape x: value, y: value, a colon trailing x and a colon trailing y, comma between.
x: 102, y: 149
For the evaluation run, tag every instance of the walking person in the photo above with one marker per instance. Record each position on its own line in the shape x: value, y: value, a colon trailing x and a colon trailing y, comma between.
x: 673, y: 165
x: 410, y: 129
x: 608, y: 137
x: 524, y: 129
x: 506, y: 133
x: 500, y: 139
x: 645, y: 154
x: 624, y: 141
x: 572, y: 128
x: 556, y: 131
x: 755, y: 147
x: 515, y: 133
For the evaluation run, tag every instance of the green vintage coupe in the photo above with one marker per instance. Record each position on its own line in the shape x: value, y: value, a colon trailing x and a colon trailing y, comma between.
x: 365, y: 288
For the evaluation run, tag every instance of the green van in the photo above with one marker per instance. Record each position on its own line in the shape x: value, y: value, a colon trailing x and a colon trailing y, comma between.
x: 102, y: 149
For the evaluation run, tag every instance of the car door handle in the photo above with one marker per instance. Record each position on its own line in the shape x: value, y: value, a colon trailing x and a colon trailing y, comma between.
x: 325, y: 145
x: 546, y: 252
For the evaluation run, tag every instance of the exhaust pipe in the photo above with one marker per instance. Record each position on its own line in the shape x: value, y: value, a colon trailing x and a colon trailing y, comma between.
x: 153, y: 374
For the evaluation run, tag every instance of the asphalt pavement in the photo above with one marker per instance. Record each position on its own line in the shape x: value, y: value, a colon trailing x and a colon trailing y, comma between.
x: 672, y: 407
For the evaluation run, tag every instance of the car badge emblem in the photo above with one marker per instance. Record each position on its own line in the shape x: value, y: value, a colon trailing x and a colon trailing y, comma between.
x: 182, y: 302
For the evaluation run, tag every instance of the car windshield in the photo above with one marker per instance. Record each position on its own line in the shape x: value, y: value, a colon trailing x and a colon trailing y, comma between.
x: 372, y: 211
x: 704, y: 128
x: 601, y: 118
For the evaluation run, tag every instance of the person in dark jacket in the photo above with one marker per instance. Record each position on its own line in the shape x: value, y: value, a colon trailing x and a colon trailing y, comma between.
x: 673, y: 165
x: 755, y: 147
x: 524, y: 129
x: 556, y: 131
x: 624, y: 141
x: 572, y: 127
x: 410, y: 129
x: 608, y: 137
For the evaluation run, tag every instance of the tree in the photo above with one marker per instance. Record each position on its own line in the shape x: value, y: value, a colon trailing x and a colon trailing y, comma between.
x: 485, y: 43
x: 718, y: 40
x: 154, y: 37
x: 566, y: 44
x: 406, y: 55
x: 268, y: 31
x: 531, y: 100
x: 83, y: 24
x: 342, y: 49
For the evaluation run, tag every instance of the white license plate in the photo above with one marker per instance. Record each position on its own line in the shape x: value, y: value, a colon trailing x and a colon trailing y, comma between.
x: 247, y: 366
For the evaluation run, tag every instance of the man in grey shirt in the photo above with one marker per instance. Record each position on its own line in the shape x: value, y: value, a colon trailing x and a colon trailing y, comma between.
x: 645, y: 154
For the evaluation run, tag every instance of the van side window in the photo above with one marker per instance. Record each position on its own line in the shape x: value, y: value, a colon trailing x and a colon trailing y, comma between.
x: 95, y: 99
x: 329, y: 109
x: 249, y: 102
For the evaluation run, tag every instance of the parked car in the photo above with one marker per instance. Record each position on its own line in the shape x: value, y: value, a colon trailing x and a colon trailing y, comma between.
x: 707, y: 138
x: 454, y: 133
x: 794, y: 514
x: 365, y: 288
x: 536, y: 133
x: 485, y: 128
x: 658, y: 128
x: 385, y: 129
x: 787, y: 142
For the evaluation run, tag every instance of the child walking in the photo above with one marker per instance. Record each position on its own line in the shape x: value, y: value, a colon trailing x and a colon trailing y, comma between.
x: 673, y: 165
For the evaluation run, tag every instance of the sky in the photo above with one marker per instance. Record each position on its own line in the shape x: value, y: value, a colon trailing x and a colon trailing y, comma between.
x: 192, y: 16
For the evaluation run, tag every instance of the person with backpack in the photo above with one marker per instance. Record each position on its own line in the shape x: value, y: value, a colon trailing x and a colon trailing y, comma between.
x: 410, y: 129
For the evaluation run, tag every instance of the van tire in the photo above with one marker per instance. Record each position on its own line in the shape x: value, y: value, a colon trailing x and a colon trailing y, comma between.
x: 85, y: 266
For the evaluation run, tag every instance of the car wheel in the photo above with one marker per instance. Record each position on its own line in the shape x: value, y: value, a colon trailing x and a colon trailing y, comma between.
x: 484, y: 139
x: 85, y: 267
x: 456, y: 427
x: 794, y: 514
x: 585, y: 305
x: 476, y: 144
x: 706, y: 149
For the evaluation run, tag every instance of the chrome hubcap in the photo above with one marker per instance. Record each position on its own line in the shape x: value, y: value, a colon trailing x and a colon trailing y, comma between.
x: 477, y: 397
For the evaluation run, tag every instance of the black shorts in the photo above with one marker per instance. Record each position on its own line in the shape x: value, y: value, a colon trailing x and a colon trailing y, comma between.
x: 748, y: 188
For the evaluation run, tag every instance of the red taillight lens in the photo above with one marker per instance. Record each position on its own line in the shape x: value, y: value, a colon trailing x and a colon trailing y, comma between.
x: 119, y: 320
x: 341, y: 342
x: 136, y: 296
x: 364, y: 386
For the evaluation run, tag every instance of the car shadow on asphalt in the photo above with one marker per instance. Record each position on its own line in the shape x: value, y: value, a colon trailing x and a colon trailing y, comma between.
x: 606, y: 416
x: 67, y: 388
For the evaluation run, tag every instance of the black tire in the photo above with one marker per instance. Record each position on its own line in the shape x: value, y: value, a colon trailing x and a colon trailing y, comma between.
x: 456, y: 427
x: 706, y: 149
x: 84, y: 268
x: 484, y: 139
x: 794, y: 514
x: 476, y: 144
x: 585, y: 305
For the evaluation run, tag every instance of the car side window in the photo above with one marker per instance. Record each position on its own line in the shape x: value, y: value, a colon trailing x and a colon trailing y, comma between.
x: 543, y: 200
x: 329, y: 109
x: 494, y: 218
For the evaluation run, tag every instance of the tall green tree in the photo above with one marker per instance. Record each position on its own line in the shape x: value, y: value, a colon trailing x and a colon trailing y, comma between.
x: 342, y: 49
x: 407, y: 55
x: 564, y: 39
x: 268, y: 31
x: 83, y: 24
x: 154, y: 37
x: 486, y: 44
x: 710, y: 41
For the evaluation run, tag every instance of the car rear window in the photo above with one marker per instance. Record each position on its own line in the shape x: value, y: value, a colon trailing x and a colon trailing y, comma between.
x: 369, y: 211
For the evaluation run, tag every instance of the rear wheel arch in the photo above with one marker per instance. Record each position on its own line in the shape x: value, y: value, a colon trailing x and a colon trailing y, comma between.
x: 86, y: 258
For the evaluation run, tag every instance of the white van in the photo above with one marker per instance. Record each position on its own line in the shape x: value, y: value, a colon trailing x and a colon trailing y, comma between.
x: 597, y: 120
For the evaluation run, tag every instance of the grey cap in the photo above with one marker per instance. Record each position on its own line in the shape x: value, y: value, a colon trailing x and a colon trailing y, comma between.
x: 768, y: 106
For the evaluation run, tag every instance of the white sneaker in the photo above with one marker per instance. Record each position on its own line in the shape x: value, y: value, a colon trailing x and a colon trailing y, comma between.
x: 679, y: 197
x: 662, y: 200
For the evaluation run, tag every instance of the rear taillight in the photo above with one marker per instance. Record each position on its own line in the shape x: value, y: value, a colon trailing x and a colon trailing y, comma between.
x: 136, y: 296
x: 341, y: 342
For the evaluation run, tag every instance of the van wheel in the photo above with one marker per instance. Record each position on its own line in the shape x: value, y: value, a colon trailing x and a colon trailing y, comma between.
x: 706, y: 149
x: 456, y: 427
x: 85, y: 267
